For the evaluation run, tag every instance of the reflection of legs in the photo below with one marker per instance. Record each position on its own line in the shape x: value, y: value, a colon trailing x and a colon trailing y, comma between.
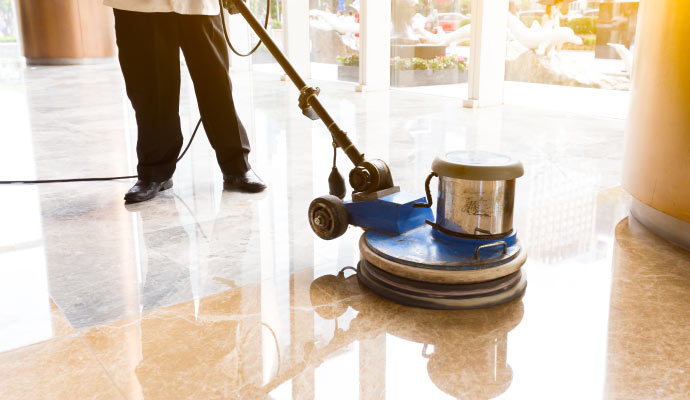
x: 199, y: 255
x: 164, y: 259
x: 149, y: 56
x: 234, y: 223
x: 206, y: 54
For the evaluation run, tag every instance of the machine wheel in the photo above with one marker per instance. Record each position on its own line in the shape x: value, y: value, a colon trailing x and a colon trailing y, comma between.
x: 328, y: 217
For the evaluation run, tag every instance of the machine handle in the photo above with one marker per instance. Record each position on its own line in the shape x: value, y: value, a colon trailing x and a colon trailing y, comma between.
x: 309, y: 99
x: 429, y: 199
x: 485, y: 246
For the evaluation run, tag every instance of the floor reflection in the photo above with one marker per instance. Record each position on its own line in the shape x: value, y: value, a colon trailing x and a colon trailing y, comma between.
x: 203, y: 293
x: 225, y: 347
x: 25, y: 304
x: 648, y: 352
x: 466, y: 350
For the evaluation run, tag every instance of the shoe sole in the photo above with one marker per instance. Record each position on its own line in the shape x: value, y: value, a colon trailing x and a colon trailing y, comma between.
x: 238, y: 187
x: 167, y: 185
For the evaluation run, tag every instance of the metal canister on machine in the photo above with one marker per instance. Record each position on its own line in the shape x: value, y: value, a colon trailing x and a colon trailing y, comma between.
x: 476, y: 192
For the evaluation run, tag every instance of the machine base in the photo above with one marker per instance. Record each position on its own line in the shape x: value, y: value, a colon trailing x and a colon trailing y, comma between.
x: 440, y: 295
x: 424, y: 268
x: 427, y: 256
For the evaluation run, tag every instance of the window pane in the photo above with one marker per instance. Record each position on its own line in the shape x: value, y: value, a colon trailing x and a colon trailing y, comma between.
x: 262, y: 60
x: 572, y: 43
x: 430, y: 43
x: 334, y: 38
x: 8, y: 30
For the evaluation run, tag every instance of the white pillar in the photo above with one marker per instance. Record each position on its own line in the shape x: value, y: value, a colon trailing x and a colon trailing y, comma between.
x: 238, y: 30
x: 296, y: 35
x: 487, y: 53
x: 374, y: 45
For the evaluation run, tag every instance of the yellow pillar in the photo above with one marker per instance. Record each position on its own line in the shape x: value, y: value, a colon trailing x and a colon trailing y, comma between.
x: 656, y: 169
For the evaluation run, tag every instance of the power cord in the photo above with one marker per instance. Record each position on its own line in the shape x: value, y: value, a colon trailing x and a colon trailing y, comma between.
x: 107, y: 178
x: 223, y: 4
x: 228, y: 5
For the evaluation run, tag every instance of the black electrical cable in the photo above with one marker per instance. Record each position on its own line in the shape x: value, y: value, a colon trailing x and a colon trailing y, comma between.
x: 225, y: 30
x: 108, y: 178
x: 191, y: 139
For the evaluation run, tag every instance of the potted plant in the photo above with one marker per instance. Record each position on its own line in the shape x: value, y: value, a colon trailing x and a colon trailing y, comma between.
x: 348, y: 68
x: 412, y: 71
x: 416, y: 71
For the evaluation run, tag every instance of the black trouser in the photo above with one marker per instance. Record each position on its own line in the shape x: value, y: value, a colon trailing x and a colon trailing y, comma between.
x: 149, y: 52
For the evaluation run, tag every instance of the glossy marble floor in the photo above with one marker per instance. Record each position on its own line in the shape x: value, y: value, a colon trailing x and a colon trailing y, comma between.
x: 208, y: 294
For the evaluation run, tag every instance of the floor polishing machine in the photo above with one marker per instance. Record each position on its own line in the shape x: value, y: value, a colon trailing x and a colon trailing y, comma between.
x: 468, y: 256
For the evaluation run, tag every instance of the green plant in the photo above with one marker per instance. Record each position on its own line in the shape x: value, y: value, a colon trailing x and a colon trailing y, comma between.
x: 416, y: 63
x: 583, y: 25
x: 435, y: 64
x: 350, y: 61
x: 589, y: 40
x: 8, y: 39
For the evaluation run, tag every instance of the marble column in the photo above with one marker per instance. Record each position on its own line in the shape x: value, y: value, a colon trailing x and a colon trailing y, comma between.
x: 656, y: 168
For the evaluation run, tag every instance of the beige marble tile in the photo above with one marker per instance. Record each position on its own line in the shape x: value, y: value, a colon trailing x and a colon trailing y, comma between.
x: 648, y: 355
x: 226, y: 348
x: 314, y: 334
x: 61, y: 326
x: 208, y: 294
x: 106, y: 262
x: 61, y: 368
x: 190, y: 351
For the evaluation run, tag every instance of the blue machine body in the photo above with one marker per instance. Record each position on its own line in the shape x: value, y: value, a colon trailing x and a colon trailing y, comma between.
x: 425, y: 247
x: 394, y: 214
x: 398, y: 231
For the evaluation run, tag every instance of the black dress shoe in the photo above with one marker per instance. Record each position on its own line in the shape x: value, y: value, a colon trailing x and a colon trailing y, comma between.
x: 142, y: 190
x: 244, y: 181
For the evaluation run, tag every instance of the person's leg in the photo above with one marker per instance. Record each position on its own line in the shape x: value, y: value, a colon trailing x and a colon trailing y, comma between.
x: 149, y: 56
x: 206, y: 54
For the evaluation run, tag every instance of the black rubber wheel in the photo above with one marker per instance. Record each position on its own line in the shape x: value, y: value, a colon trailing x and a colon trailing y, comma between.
x: 328, y: 217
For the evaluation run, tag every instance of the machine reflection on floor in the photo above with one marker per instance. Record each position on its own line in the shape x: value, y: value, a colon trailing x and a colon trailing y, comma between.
x: 466, y: 352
